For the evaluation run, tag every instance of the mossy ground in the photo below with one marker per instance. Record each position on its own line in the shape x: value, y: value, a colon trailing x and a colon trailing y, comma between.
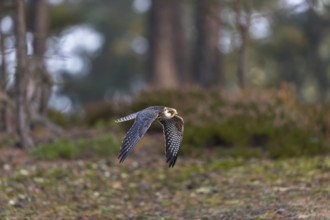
x: 143, y: 187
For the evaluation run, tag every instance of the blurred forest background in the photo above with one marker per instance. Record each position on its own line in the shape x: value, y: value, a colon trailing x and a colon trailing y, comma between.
x: 224, y: 60
x: 251, y: 78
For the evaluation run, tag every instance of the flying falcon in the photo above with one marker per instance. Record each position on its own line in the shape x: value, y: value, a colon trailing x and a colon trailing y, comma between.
x: 172, y: 126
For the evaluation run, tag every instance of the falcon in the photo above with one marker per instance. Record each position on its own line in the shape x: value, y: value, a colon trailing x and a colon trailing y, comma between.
x: 172, y: 127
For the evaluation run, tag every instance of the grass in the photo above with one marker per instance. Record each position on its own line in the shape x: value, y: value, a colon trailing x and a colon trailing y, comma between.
x: 95, y: 147
x: 206, y: 187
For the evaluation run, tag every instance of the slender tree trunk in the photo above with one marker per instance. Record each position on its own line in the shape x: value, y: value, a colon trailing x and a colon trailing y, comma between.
x: 207, y: 56
x: 179, y: 41
x: 22, y: 114
x: 40, y: 84
x: 242, y: 59
x: 7, y: 114
x: 6, y: 104
x: 166, y: 43
x: 3, y: 74
x: 243, y: 21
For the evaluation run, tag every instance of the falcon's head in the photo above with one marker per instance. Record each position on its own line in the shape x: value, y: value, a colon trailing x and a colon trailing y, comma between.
x: 169, y: 112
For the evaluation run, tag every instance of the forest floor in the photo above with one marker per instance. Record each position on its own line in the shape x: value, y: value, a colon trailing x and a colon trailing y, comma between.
x: 143, y: 187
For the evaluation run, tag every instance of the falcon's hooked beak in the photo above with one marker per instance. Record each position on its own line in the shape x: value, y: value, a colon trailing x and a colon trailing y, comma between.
x: 170, y: 112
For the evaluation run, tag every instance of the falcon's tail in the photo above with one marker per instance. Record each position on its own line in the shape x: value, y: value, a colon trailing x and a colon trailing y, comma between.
x: 126, y: 118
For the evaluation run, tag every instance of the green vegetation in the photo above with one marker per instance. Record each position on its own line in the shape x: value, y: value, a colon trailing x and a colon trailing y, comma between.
x: 63, y: 120
x: 245, y: 123
x: 95, y: 147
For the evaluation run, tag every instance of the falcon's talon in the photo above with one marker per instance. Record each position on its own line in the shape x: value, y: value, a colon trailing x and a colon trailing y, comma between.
x: 172, y: 126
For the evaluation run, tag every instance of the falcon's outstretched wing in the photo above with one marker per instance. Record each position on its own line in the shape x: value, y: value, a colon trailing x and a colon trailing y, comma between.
x: 173, y: 132
x: 142, y: 122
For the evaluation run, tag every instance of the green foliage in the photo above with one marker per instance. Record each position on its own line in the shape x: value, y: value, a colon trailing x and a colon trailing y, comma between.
x: 103, y: 146
x: 62, y: 119
x: 97, y: 112
x: 64, y: 15
x: 244, y: 123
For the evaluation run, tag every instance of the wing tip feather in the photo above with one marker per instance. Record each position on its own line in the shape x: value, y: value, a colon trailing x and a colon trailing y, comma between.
x: 171, y: 161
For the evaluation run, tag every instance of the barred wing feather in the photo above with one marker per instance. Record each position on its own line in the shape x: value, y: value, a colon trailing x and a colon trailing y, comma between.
x: 173, y: 132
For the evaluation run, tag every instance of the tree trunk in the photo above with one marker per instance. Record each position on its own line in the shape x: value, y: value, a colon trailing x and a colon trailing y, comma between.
x: 3, y: 124
x: 7, y: 114
x: 243, y: 10
x: 22, y: 114
x: 7, y: 123
x: 39, y: 88
x: 207, y: 56
x: 40, y: 82
x: 3, y: 73
x: 166, y: 57
x: 179, y: 41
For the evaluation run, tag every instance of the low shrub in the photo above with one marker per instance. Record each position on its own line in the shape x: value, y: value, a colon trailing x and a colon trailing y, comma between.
x: 242, y: 122
x: 64, y: 120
